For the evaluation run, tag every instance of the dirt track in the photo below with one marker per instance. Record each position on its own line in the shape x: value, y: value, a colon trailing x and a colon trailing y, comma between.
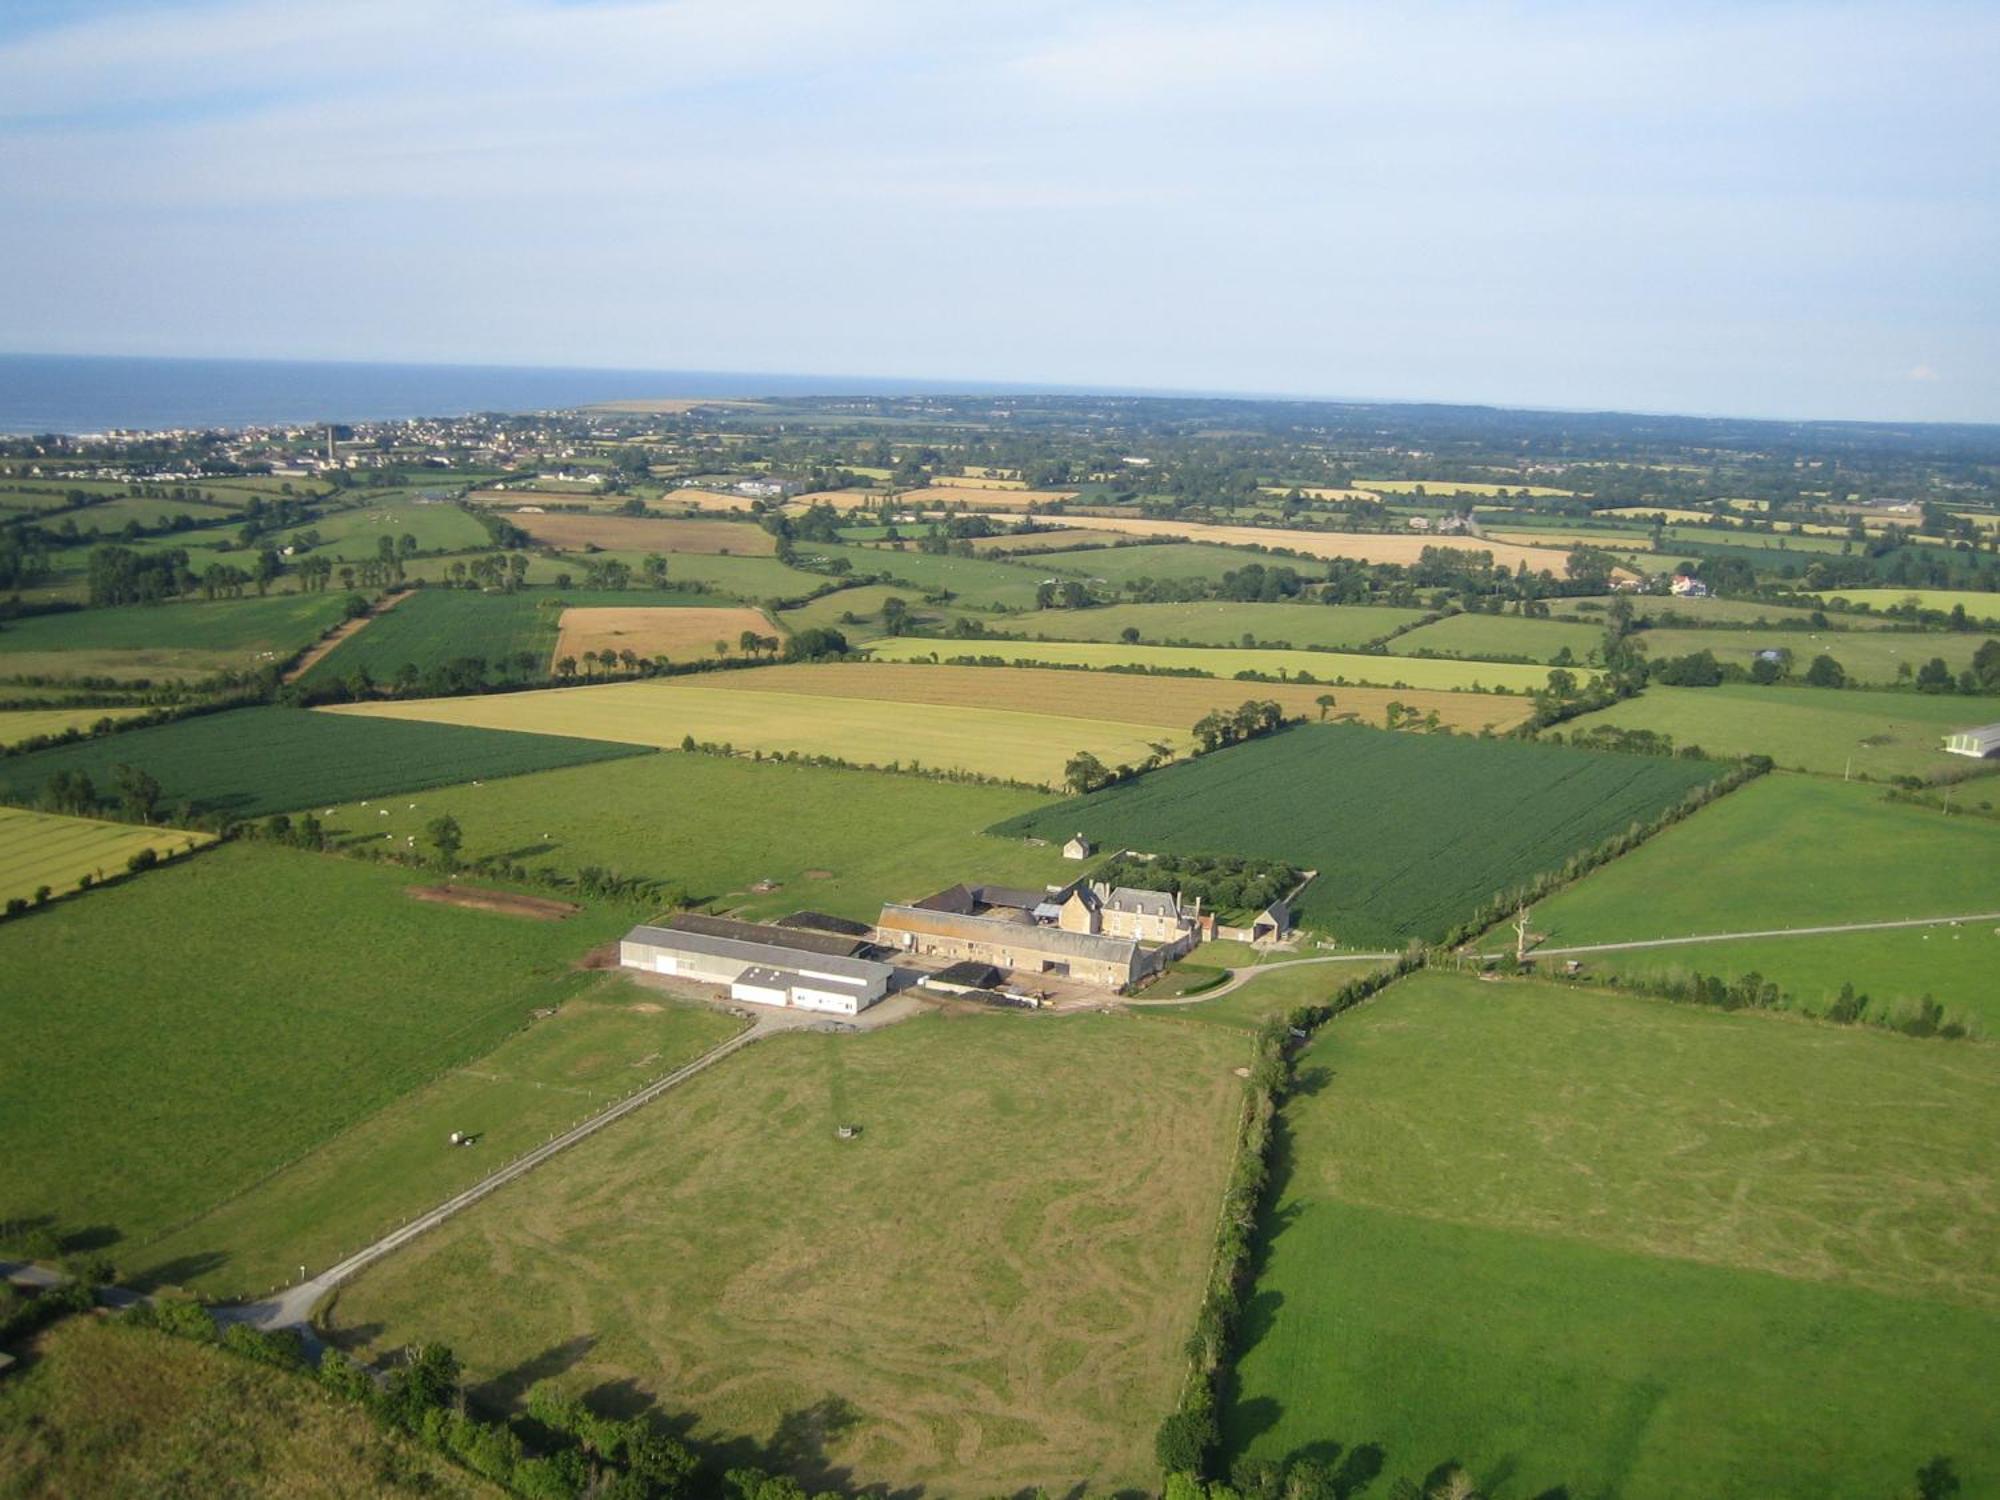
x: 341, y: 632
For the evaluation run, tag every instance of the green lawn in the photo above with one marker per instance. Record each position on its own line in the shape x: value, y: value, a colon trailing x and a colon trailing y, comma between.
x: 1502, y: 635
x: 1785, y: 851
x: 253, y: 761
x: 1869, y: 656
x: 1881, y: 734
x: 984, y: 1292
x: 236, y: 1012
x: 181, y: 639
x: 397, y: 1162
x: 1333, y: 667
x: 1628, y: 1248
x: 829, y: 839
x: 1222, y: 622
x: 1397, y: 858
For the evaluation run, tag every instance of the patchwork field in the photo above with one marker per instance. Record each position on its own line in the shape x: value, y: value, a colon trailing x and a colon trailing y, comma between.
x: 1398, y: 857
x: 431, y: 627
x: 1226, y: 661
x: 1385, y: 547
x: 1623, y: 1247
x: 1881, y: 734
x: 820, y: 837
x: 988, y: 1289
x: 261, y: 760
x: 18, y: 724
x: 1502, y: 635
x: 355, y: 535
x: 246, y: 1067
x: 977, y: 497
x: 572, y: 532
x: 1014, y: 744
x: 677, y: 634
x: 974, y: 581
x: 165, y: 641
x: 394, y: 1164
x: 1119, y: 565
x: 1128, y: 698
x: 1221, y: 622
x: 47, y: 849
x: 1709, y: 611
x: 1869, y: 656
x: 104, y: 1408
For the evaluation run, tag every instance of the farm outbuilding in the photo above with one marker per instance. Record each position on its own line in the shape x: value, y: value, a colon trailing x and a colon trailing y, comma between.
x: 1980, y: 742
x: 1025, y: 946
x: 770, y: 968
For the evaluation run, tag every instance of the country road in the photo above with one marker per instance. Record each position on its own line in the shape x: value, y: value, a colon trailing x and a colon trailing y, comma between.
x: 1240, y: 977
x: 292, y: 1308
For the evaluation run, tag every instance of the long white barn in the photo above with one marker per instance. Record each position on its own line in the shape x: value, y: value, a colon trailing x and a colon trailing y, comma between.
x: 761, y: 971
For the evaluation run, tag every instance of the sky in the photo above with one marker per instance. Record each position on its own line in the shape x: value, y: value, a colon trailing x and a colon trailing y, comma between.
x: 1743, y: 208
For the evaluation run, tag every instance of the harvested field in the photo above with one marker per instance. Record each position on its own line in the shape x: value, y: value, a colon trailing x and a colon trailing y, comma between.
x: 1125, y: 697
x: 1012, y: 743
x: 692, y: 499
x: 985, y: 1292
x: 1369, y: 547
x: 676, y: 634
x: 646, y: 534
x: 50, y: 849
x: 931, y: 497
x: 508, y: 903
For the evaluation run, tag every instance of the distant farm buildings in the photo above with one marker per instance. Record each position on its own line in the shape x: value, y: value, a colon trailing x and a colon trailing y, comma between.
x: 1980, y: 742
x: 795, y: 967
x: 1687, y: 586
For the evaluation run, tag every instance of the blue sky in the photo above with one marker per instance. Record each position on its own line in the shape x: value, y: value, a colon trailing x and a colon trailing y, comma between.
x: 1750, y: 208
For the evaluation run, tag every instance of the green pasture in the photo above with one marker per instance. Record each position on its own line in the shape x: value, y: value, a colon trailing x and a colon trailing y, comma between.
x: 1479, y: 635
x: 393, y: 1164
x: 1573, y: 1239
x: 1270, y: 994
x: 865, y: 602
x: 986, y: 1290
x: 1785, y: 541
x: 1409, y: 833
x: 748, y: 578
x: 1785, y: 851
x: 189, y: 638
x: 1875, y: 733
x: 253, y: 761
x: 822, y: 838
x: 239, y: 1010
x: 1705, y: 611
x: 1869, y: 656
x: 355, y: 535
x: 1332, y: 667
x: 1222, y: 622
x: 974, y: 581
x: 110, y: 517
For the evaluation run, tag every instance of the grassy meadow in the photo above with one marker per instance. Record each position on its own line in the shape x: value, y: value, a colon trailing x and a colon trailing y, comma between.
x: 827, y: 838
x: 1012, y: 744
x: 1397, y: 858
x: 1978, y: 606
x: 1333, y: 667
x: 1880, y: 734
x: 1122, y: 564
x: 253, y: 761
x: 1623, y: 1247
x: 103, y: 1408
x: 49, y: 849
x: 1502, y: 635
x: 973, y: 581
x: 397, y: 1162
x: 1785, y: 851
x: 188, y: 638
x: 987, y: 1289
x: 182, y: 1073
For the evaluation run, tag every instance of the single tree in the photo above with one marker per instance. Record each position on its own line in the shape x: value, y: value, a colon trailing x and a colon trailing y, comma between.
x: 444, y: 835
x: 1325, y: 702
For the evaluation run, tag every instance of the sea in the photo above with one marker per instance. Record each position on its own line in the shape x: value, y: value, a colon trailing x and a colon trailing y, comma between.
x: 88, y: 394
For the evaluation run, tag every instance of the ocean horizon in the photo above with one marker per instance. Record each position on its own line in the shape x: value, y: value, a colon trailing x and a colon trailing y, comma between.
x: 65, y: 393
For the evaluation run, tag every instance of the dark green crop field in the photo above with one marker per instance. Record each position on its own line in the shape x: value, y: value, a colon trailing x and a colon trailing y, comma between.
x: 1409, y: 833
x: 435, y: 626
x: 263, y: 760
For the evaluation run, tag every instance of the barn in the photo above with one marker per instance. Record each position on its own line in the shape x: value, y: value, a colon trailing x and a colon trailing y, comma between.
x: 760, y: 965
x: 1981, y: 742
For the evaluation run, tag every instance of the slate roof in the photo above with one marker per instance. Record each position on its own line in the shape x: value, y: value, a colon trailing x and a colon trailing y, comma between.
x: 761, y: 954
x: 838, y: 945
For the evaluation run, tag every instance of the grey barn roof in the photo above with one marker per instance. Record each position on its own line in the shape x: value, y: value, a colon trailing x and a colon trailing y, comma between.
x: 1147, y: 903
x: 805, y: 940
x: 764, y: 955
